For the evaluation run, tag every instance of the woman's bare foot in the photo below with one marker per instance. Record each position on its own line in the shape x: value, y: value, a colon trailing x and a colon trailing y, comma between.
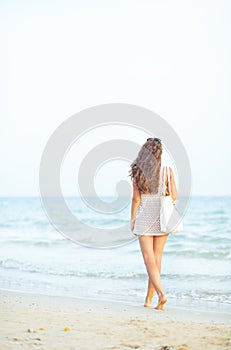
x: 162, y: 300
x: 149, y: 305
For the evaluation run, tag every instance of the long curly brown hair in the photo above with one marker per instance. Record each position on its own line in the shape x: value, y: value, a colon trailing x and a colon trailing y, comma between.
x: 145, y: 170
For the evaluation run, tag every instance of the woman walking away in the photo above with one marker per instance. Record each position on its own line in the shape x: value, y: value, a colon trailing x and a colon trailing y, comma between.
x: 147, y: 174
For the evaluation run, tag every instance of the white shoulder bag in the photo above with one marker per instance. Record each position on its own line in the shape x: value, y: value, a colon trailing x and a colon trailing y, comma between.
x: 170, y: 219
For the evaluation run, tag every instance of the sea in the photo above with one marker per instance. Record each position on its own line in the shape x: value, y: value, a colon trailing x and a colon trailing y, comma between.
x: 196, y: 269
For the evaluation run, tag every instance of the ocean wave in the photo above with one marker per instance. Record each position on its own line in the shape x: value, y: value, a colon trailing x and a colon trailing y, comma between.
x: 35, y: 243
x: 44, y: 269
x: 202, y: 296
x: 176, y: 249
x: 13, y: 264
x: 208, y: 255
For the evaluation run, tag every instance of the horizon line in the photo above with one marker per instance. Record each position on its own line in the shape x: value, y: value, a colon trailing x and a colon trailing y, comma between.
x: 106, y: 195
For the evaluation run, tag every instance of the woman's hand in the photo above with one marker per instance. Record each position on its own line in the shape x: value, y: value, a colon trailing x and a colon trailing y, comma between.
x: 132, y: 224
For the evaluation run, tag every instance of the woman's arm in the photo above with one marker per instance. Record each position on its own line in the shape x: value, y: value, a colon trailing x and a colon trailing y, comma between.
x: 174, y: 192
x: 135, y: 204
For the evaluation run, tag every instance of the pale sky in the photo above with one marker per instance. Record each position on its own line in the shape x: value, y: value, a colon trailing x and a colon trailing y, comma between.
x: 60, y: 57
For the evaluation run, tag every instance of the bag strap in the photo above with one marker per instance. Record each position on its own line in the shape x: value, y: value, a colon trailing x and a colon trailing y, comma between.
x: 164, y: 176
x: 167, y: 172
x: 169, y: 183
x: 164, y: 186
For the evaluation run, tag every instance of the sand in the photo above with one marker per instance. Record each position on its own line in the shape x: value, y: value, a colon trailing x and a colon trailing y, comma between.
x: 30, y: 321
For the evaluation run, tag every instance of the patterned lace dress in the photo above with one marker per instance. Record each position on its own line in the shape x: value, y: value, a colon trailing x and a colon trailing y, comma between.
x: 147, y: 221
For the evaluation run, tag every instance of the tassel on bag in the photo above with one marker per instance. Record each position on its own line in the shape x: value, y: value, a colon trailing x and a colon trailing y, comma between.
x: 170, y: 219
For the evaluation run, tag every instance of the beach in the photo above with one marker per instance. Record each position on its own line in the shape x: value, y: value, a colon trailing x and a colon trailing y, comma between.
x: 55, y: 294
x: 33, y: 321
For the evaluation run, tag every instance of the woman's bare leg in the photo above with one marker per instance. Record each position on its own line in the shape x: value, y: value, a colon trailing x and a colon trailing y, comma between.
x: 158, y: 247
x: 146, y: 245
x: 150, y: 294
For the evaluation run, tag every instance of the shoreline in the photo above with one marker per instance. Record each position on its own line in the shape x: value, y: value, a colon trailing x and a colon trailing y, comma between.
x: 53, y: 322
x: 196, y: 306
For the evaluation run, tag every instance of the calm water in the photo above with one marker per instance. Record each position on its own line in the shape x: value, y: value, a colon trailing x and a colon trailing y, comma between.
x: 34, y: 257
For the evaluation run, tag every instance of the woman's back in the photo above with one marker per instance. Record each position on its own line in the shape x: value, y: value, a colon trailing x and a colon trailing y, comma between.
x: 148, y: 213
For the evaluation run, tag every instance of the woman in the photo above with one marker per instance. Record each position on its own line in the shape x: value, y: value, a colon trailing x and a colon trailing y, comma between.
x: 147, y: 177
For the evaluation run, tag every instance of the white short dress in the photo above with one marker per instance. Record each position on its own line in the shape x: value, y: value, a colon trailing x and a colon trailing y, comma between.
x: 147, y: 221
